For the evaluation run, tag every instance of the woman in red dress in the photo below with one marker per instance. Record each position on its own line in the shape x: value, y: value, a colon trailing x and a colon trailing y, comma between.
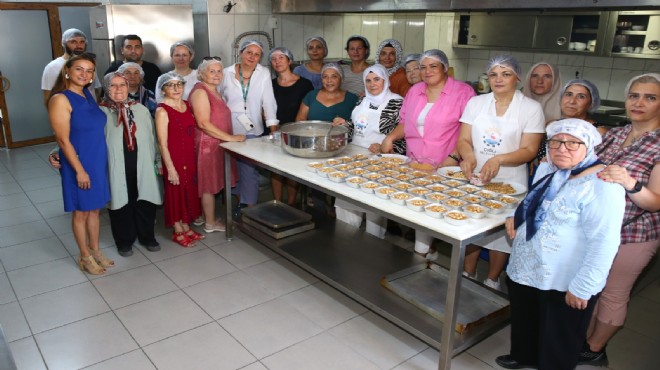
x: 175, y: 128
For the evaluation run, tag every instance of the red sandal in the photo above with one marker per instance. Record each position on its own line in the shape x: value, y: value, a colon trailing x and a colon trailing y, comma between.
x: 193, y: 235
x: 182, y: 239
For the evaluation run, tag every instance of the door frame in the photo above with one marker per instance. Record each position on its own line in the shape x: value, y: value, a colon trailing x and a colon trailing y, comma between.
x: 52, y: 10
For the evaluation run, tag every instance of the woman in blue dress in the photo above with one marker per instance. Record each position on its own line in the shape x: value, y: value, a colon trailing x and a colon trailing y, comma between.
x: 79, y: 125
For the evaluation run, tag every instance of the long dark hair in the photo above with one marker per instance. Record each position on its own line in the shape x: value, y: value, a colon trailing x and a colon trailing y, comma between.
x: 62, y: 83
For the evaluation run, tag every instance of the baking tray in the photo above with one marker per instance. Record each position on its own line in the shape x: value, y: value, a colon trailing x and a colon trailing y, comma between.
x: 281, y: 232
x: 425, y: 286
x: 276, y: 215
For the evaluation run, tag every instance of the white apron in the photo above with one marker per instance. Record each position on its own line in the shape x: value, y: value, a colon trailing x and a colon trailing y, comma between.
x: 492, y: 135
x: 366, y: 125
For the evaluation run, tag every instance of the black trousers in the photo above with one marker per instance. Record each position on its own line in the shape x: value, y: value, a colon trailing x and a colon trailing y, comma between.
x: 545, y: 331
x: 136, y: 219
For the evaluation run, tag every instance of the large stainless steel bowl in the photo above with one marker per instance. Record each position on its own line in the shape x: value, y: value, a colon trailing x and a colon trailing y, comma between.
x: 310, y: 139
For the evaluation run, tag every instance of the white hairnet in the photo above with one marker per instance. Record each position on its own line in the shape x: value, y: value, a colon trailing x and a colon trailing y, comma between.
x: 411, y: 58
x: 581, y: 129
x: 647, y: 77
x: 438, y: 55
x: 593, y: 91
x: 321, y: 40
x: 506, y: 61
x: 247, y: 43
x: 71, y: 33
x: 334, y: 66
x: 281, y: 50
x: 185, y: 45
x: 205, y: 64
x: 162, y: 80
x: 122, y: 68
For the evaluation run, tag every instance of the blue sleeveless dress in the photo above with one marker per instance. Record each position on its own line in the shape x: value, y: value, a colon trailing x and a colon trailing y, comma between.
x: 87, y: 135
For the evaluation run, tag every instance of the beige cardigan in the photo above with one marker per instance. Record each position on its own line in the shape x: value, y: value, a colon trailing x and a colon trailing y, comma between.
x: 149, y: 183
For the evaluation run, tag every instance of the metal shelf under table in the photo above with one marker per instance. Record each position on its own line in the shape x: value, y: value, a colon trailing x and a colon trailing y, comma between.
x: 272, y: 158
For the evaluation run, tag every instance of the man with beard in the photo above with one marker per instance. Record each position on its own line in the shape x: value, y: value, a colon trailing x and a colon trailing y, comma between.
x: 132, y: 50
x: 74, y: 42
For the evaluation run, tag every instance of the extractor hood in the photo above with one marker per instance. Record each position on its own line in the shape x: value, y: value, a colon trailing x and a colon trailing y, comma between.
x: 371, y: 6
x: 359, y: 6
x: 549, y: 4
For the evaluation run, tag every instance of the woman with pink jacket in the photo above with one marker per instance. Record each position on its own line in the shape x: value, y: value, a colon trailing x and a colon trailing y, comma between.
x: 429, y: 119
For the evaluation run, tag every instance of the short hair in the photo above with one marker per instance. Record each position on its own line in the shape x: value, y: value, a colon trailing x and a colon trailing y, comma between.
x: 130, y: 37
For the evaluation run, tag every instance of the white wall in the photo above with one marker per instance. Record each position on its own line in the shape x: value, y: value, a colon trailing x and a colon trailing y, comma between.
x: 416, y: 31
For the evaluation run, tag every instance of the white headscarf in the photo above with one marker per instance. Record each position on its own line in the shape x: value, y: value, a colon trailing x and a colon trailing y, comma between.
x: 386, y: 94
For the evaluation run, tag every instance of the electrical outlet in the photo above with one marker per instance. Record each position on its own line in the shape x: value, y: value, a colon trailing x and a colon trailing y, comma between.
x: 273, y: 22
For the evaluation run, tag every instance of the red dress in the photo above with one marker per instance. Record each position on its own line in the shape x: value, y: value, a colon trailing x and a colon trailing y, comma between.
x: 181, y: 202
x: 210, y: 156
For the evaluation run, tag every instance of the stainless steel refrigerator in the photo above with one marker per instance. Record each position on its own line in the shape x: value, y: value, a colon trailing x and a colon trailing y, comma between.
x: 159, y: 26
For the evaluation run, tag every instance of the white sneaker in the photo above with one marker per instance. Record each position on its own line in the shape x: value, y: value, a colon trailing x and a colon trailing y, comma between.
x: 473, y: 277
x: 492, y: 284
x: 199, y: 221
x: 432, y: 256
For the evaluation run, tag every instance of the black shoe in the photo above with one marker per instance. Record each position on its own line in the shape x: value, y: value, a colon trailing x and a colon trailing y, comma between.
x: 152, y: 246
x: 125, y: 251
x: 588, y: 357
x: 507, y: 362
x: 236, y: 212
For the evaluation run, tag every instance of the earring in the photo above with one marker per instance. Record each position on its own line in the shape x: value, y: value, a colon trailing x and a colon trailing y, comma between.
x: 91, y: 81
x: 66, y: 75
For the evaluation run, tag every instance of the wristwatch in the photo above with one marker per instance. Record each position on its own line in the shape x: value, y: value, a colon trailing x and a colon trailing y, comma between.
x: 636, y: 189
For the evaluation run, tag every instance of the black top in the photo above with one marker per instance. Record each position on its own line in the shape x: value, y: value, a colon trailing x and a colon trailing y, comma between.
x: 151, y: 72
x: 289, y: 98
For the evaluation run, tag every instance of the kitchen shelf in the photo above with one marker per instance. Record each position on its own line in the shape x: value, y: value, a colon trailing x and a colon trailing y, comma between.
x: 634, y: 33
x: 591, y: 31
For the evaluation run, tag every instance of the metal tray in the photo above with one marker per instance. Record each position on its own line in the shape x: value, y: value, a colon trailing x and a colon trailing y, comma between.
x: 276, y: 215
x: 277, y: 233
x: 425, y: 286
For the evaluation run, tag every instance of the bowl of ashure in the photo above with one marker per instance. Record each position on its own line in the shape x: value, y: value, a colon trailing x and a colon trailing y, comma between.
x: 417, y: 204
x: 400, y: 197
x: 435, y: 210
x: 384, y: 192
x: 475, y: 210
x: 338, y: 176
x: 456, y: 218
x: 494, y: 207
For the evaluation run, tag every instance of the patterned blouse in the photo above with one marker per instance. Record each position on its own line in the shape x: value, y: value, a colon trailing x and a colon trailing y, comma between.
x: 638, y: 159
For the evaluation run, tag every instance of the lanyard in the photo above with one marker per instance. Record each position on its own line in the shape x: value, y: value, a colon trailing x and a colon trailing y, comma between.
x: 244, y: 88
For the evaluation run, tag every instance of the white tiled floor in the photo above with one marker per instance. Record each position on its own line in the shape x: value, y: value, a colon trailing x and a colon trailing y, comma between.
x: 219, y: 305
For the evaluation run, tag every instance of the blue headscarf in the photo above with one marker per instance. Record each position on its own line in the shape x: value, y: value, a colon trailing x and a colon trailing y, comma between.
x: 533, y: 208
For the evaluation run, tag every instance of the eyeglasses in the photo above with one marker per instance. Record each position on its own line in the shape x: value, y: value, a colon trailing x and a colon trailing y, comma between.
x: 212, y: 58
x: 171, y: 85
x: 570, y: 145
x: 411, y: 70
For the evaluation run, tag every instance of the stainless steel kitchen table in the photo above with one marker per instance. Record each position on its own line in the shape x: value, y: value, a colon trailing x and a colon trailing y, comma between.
x: 271, y: 157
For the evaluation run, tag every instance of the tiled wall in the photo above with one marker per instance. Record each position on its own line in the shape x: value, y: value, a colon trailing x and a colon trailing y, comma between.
x: 416, y: 31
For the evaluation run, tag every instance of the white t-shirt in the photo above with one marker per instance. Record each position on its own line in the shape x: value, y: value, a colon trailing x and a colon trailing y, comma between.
x: 53, y: 69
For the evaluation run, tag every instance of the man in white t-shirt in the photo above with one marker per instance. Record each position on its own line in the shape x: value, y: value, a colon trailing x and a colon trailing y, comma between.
x: 74, y: 42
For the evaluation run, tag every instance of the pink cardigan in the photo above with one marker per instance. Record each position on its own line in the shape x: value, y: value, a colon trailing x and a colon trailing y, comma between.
x: 441, y: 125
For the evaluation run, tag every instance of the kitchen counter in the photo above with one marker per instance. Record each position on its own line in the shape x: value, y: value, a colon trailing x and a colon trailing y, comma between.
x: 271, y: 157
